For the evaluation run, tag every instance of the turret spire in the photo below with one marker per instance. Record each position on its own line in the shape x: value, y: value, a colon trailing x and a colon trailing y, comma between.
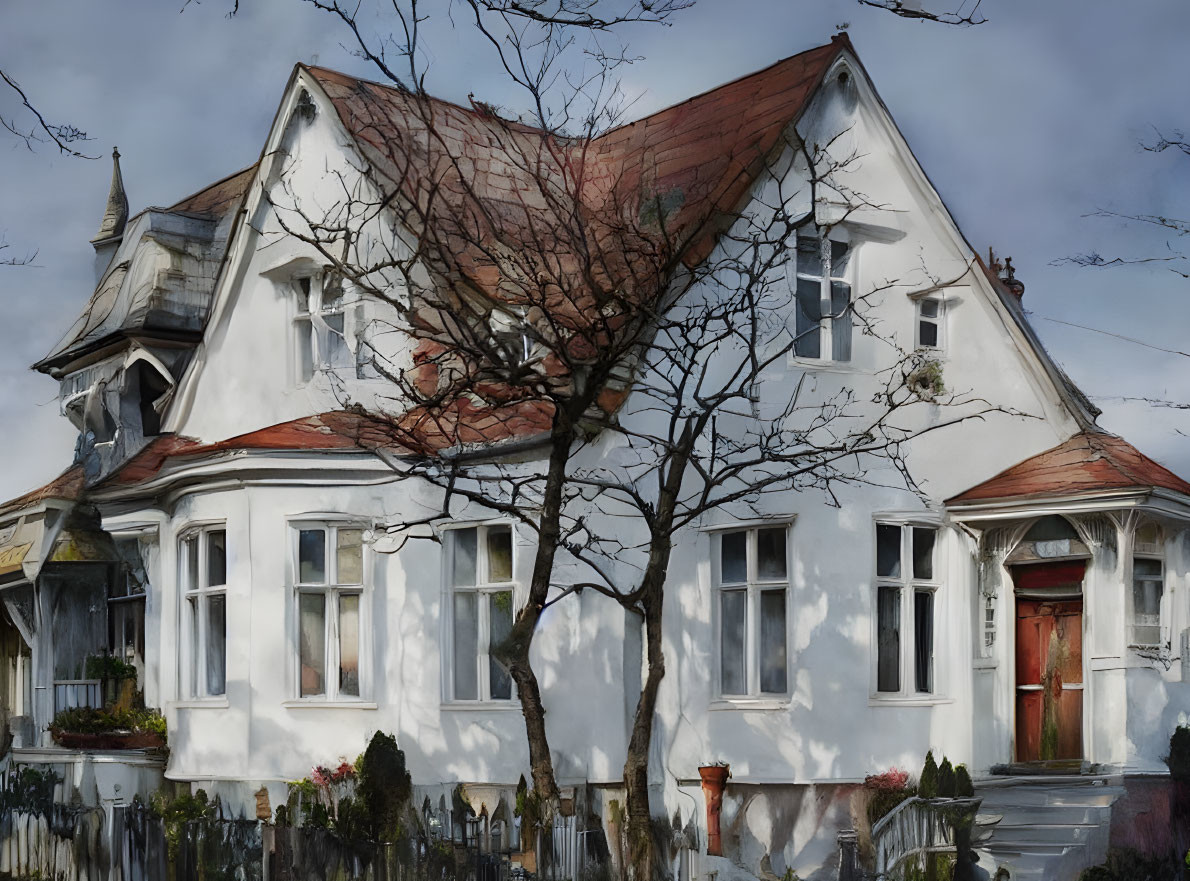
x: 116, y: 215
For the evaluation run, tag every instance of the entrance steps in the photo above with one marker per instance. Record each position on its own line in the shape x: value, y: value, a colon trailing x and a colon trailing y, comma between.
x: 1044, y: 827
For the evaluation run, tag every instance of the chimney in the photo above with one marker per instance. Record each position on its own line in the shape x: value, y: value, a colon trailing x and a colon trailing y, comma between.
x: 111, y: 228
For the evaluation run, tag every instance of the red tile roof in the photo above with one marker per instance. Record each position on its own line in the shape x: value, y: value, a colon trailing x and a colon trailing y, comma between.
x: 347, y: 431
x: 1087, y: 463
x: 67, y: 487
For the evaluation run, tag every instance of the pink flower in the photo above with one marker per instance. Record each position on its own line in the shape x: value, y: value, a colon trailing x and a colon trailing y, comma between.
x: 344, y: 772
x: 892, y: 780
x: 321, y: 776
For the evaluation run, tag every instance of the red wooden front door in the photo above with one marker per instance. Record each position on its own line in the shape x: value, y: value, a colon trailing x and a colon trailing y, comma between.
x: 1049, y: 679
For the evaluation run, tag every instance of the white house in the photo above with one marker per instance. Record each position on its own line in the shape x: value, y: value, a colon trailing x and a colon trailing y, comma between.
x: 224, y: 525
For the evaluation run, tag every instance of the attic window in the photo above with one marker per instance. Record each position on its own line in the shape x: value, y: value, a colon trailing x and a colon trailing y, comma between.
x: 320, y: 340
x: 511, y: 332
x: 823, y: 320
x: 305, y: 108
x: 930, y: 323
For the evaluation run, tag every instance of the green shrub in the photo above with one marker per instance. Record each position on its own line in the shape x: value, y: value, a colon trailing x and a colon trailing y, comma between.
x: 1179, y: 754
x: 109, y: 667
x: 946, y: 779
x: 89, y: 720
x: 927, y: 784
x: 384, y: 787
x: 963, y: 787
x: 1125, y: 864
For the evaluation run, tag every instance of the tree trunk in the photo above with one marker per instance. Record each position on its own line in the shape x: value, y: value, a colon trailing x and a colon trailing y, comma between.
x: 641, y: 854
x: 515, y: 650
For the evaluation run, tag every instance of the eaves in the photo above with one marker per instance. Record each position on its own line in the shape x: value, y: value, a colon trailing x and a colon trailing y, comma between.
x: 1155, y: 499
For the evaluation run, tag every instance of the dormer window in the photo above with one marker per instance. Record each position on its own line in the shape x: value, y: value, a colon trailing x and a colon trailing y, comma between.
x: 823, y: 312
x: 319, y: 326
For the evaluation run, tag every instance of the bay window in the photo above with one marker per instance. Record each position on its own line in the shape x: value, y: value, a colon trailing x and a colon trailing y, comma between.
x: 330, y: 577
x: 1148, y: 587
x: 480, y: 610
x: 751, y: 572
x: 907, y: 582
x: 203, y: 555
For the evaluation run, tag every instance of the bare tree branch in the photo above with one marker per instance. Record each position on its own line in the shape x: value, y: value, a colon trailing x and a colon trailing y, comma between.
x: 966, y: 15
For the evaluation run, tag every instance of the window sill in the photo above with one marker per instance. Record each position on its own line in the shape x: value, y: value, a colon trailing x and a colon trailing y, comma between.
x: 877, y: 701
x: 770, y: 704
x: 215, y: 703
x: 328, y: 705
x: 824, y: 366
x: 486, y: 706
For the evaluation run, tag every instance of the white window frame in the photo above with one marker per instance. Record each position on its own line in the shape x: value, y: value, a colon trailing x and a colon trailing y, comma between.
x: 908, y: 586
x: 753, y: 588
x: 484, y: 589
x: 193, y: 640
x: 308, y: 318
x: 1149, y: 553
x: 939, y: 321
x: 826, y: 339
x: 331, y: 590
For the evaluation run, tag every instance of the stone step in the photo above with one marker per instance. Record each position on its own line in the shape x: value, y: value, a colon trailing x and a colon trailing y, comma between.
x: 1099, y: 796
x: 1056, y: 835
x: 1050, y: 815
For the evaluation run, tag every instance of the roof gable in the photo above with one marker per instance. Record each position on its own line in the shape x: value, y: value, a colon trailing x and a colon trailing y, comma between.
x: 1088, y: 462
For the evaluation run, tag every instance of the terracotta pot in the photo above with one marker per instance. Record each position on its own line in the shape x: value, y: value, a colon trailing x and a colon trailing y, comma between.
x: 714, y: 778
x: 107, y: 740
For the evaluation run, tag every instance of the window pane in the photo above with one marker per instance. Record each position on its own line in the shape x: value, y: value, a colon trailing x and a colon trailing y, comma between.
x: 929, y: 308
x: 499, y: 554
x: 733, y: 559
x: 332, y: 291
x: 841, y: 321
x: 808, y: 313
x: 349, y: 556
x: 312, y: 556
x: 500, y: 625
x: 923, y: 553
x: 195, y: 646
x: 927, y: 334
x: 466, y: 647
x: 923, y: 640
x: 733, y: 609
x: 839, y: 257
x: 1147, y: 588
x: 463, y: 542
x: 336, y: 352
x: 772, y: 642
x: 888, y: 639
x: 312, y: 610
x: 349, y: 644
x: 305, y: 349
x: 809, y: 256
x: 1142, y: 568
x: 190, y: 552
x: 216, y: 655
x: 216, y: 557
x: 770, y: 553
x: 888, y: 551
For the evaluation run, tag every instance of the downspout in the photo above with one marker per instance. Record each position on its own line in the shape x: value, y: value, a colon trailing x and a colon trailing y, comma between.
x: 714, y: 778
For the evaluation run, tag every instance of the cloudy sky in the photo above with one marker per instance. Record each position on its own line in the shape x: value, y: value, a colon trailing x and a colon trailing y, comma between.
x: 1026, y: 124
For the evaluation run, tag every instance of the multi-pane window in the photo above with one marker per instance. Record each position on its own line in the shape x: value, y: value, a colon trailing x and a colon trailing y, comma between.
x: 1148, y: 586
x: 481, y: 612
x: 329, y: 589
x: 204, y: 611
x: 320, y: 326
x: 906, y: 587
x: 752, y: 590
x: 823, y: 311
x: 930, y: 311
x: 126, y: 605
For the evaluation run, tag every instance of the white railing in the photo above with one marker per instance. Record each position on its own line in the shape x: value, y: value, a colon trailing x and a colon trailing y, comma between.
x: 916, y: 827
x: 71, y: 693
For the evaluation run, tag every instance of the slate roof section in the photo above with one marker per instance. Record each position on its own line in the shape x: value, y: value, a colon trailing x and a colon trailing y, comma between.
x: 220, y: 197
x: 1089, y: 462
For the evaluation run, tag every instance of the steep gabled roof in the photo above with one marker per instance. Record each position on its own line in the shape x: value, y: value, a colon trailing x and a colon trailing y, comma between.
x: 1089, y: 462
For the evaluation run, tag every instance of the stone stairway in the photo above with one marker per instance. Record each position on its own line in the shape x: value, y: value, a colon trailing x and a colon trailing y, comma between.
x: 1044, y: 827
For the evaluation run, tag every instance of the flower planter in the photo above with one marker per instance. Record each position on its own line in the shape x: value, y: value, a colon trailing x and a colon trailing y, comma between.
x: 107, y: 740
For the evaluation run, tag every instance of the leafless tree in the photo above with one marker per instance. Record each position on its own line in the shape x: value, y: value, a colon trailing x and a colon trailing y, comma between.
x: 588, y: 346
x: 965, y: 14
